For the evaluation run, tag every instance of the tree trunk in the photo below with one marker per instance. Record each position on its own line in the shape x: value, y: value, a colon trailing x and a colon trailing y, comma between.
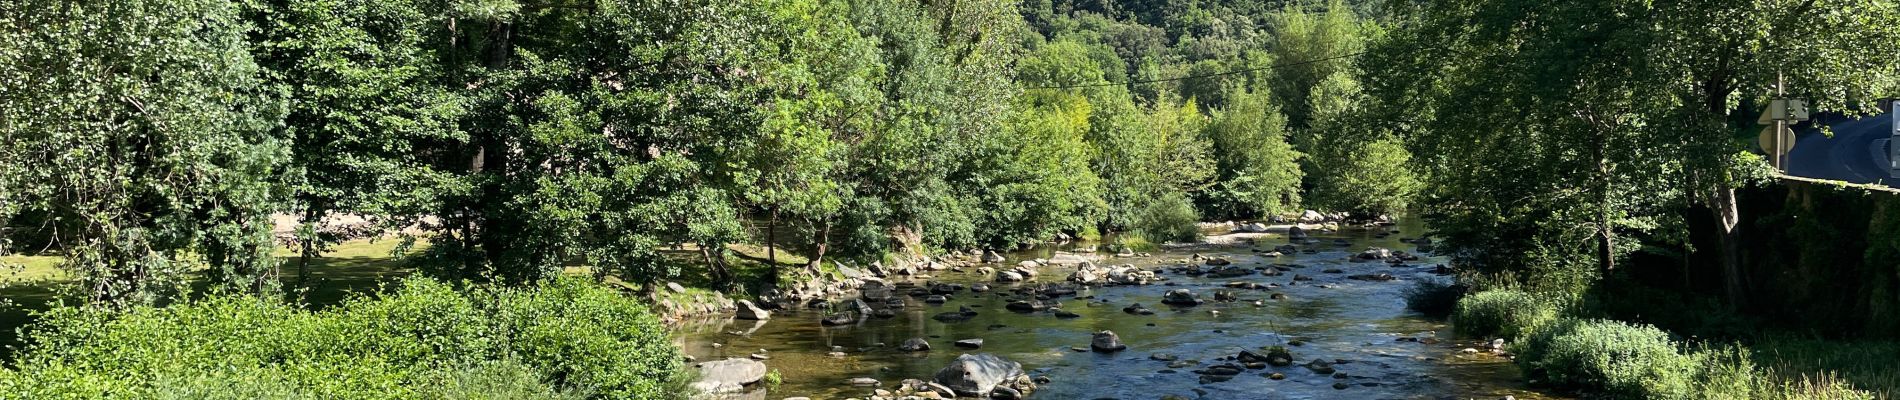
x: 1728, y: 219
x: 771, y: 246
x: 720, y: 276
x: 820, y: 240
x: 1606, y: 232
x: 311, y: 216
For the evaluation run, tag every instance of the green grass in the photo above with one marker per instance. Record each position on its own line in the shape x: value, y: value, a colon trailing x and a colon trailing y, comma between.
x: 355, y: 266
x: 1866, y: 365
x: 28, y: 268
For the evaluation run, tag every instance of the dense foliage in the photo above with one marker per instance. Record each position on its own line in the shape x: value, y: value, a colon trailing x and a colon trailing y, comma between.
x: 143, y: 136
x: 1562, y: 137
x: 425, y: 340
x: 517, y: 137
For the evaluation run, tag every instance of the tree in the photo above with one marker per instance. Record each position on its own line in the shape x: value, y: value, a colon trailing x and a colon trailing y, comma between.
x: 823, y: 78
x: 1037, y: 183
x: 1259, y: 172
x: 596, y: 132
x: 361, y: 80
x: 146, y: 125
x: 1308, y: 46
x: 1559, y: 127
x: 1366, y: 172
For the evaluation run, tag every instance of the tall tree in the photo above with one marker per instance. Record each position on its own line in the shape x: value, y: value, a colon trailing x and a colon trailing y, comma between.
x: 1258, y: 171
x: 1365, y: 172
x: 596, y: 131
x: 145, y: 123
x: 365, y: 101
x: 1308, y: 45
x: 822, y: 76
x: 1555, y: 128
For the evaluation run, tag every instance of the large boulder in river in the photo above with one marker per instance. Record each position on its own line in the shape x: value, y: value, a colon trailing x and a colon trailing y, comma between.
x: 1129, y: 275
x: 976, y: 375
x: 914, y: 344
x: 1375, y: 253
x: 1180, y: 297
x: 992, y: 258
x: 749, y: 311
x: 1085, y: 276
x: 875, y: 289
x: 1106, y: 342
x: 1252, y: 228
x: 728, y: 375
x: 1009, y: 276
x: 1295, y: 233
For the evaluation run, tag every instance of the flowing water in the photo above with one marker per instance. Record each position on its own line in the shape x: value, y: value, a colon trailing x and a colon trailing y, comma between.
x: 1335, y: 318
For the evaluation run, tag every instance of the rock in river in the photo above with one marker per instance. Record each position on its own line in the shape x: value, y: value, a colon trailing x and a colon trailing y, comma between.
x: 728, y: 375
x: 978, y: 374
x: 749, y: 311
x: 914, y: 344
x: 1106, y: 342
x: 1180, y: 297
x: 970, y: 343
x: 843, y: 318
x: 1026, y: 306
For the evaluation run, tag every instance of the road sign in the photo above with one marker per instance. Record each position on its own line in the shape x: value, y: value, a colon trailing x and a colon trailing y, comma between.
x: 1784, y: 110
x: 1767, y: 140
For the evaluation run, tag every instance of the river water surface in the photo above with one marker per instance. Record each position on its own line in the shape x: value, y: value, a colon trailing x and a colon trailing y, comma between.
x: 1333, y: 319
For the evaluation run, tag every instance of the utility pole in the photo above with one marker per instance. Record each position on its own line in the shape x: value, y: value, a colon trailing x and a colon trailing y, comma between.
x: 1781, y: 123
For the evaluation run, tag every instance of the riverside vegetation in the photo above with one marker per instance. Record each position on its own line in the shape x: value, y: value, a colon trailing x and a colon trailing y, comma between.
x: 533, y: 169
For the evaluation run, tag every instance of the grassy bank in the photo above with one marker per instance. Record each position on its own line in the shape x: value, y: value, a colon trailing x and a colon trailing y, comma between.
x: 1563, y: 342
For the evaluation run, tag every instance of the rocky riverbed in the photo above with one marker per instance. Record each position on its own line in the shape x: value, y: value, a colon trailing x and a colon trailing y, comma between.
x: 1252, y: 314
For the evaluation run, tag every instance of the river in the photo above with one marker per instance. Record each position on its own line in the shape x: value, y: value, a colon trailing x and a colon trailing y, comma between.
x: 1363, y: 323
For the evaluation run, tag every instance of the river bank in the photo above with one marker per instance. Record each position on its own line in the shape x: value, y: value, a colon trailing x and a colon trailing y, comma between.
x: 1343, y: 320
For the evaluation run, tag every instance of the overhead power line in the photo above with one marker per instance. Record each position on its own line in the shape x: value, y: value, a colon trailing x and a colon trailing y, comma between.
x: 1238, y: 71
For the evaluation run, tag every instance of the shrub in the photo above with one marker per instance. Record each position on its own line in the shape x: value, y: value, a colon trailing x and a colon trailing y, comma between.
x: 591, y: 337
x: 1170, y: 218
x: 1501, y: 313
x: 493, y: 380
x: 1618, y: 359
x: 426, y: 340
x: 1434, y: 298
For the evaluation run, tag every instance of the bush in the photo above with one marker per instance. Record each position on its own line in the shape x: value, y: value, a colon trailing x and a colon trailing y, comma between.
x: 1618, y: 359
x: 1434, y: 298
x: 1170, y: 218
x: 1502, y: 313
x: 426, y: 340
